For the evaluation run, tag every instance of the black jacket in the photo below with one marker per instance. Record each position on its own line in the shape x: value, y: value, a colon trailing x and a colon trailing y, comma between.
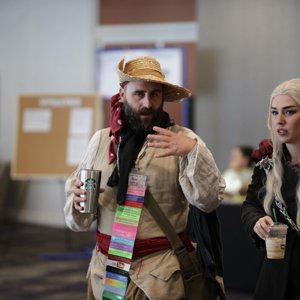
x: 279, y: 279
x: 204, y: 229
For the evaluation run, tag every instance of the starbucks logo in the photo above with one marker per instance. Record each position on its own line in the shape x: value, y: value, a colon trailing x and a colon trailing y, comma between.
x: 90, y: 184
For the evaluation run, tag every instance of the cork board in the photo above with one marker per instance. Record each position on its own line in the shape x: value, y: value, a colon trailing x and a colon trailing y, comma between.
x: 52, y: 134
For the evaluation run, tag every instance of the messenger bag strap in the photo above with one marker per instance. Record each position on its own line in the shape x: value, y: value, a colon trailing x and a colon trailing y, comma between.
x: 187, y: 264
x: 163, y: 222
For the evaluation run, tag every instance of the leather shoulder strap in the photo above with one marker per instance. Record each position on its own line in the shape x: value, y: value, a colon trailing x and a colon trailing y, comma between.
x: 163, y: 222
x: 189, y: 264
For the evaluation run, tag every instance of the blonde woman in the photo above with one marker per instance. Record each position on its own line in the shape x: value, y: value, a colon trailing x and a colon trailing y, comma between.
x: 275, y: 187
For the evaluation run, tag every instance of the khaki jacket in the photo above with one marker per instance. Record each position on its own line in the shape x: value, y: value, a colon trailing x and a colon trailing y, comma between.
x: 174, y: 182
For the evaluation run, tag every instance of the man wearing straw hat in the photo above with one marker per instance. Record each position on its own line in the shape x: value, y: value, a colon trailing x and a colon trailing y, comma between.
x: 142, y: 150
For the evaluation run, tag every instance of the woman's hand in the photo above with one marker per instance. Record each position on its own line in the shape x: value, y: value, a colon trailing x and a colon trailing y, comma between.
x: 175, y: 144
x: 77, y: 191
x: 263, y: 226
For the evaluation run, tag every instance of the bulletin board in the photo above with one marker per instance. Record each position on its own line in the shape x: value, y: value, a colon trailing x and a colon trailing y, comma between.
x: 53, y: 132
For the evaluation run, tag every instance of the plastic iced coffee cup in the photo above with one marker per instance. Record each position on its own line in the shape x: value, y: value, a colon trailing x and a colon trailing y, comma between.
x: 91, y: 183
x: 275, y: 242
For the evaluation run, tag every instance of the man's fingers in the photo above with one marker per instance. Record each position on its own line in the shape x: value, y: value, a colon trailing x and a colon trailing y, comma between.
x: 78, y: 191
x: 162, y: 131
x: 161, y: 145
x: 157, y: 137
x: 78, y: 183
x: 76, y: 202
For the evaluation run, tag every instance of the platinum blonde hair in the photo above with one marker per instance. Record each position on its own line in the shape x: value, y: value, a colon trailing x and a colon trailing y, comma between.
x: 274, y: 177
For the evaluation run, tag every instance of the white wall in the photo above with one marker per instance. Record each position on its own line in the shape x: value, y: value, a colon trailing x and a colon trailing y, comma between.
x: 246, y: 48
x: 47, y: 46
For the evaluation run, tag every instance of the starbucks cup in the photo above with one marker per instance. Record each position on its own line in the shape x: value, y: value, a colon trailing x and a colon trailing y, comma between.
x: 275, y: 242
x: 91, y: 184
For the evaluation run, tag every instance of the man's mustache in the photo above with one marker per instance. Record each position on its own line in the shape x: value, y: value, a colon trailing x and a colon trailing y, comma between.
x: 146, y: 111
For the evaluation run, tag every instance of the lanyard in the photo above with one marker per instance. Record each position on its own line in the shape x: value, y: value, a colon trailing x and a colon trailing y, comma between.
x: 124, y: 232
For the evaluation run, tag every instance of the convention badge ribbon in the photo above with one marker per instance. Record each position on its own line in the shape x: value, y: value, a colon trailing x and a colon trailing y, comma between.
x: 123, y: 236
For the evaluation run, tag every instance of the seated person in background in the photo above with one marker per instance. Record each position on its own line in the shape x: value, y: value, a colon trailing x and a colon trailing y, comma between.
x: 238, y: 174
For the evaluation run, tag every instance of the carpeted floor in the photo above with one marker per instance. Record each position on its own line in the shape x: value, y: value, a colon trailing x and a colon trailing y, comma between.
x: 45, y: 263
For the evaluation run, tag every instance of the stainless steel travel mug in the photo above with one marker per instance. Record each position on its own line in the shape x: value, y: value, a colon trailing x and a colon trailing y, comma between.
x: 91, y: 183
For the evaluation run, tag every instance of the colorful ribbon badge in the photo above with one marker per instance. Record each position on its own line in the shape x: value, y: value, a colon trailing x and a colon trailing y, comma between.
x: 123, y: 237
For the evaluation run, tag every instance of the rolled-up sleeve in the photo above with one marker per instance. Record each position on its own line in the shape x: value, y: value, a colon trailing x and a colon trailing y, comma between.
x: 200, y: 179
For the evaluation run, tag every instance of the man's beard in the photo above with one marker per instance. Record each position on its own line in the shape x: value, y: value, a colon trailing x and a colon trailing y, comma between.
x: 135, y: 122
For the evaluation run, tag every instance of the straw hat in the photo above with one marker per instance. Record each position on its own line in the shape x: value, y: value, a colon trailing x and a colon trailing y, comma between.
x: 147, y: 68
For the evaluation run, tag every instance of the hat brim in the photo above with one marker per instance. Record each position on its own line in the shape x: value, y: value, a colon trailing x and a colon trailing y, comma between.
x: 171, y: 92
